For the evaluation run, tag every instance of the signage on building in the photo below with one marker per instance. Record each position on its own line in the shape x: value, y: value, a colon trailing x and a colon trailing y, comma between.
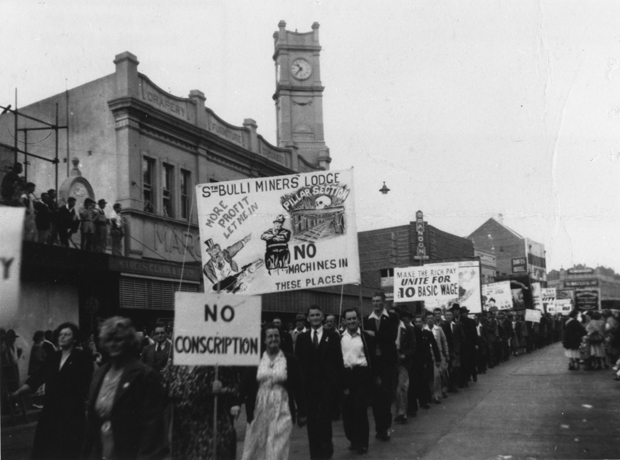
x: 387, y: 283
x: 519, y: 265
x: 154, y: 268
x: 212, y: 329
x: 279, y: 233
x: 580, y: 271
x: 588, y: 299
x: 440, y: 285
x: 419, y: 230
x: 11, y: 236
x: 580, y: 283
x: 497, y: 296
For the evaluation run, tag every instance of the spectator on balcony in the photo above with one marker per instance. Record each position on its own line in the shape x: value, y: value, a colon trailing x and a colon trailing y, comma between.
x: 43, y: 218
x: 101, y: 226
x: 68, y: 221
x: 12, y: 185
x: 88, y: 214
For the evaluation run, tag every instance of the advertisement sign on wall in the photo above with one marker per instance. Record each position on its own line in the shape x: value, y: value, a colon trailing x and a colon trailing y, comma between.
x: 588, y: 299
x: 278, y: 233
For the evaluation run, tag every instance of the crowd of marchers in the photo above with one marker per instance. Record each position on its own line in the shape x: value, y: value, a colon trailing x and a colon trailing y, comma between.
x: 47, y: 222
x: 137, y: 404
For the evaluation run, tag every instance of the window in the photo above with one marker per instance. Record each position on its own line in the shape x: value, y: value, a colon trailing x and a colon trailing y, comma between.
x: 166, y: 185
x: 148, y: 167
x: 185, y: 187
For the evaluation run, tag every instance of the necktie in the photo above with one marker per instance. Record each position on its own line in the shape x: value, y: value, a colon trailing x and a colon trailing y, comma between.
x: 158, y: 348
x: 315, y: 340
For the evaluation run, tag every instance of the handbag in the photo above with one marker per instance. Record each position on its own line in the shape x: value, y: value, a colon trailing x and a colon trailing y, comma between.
x: 596, y: 337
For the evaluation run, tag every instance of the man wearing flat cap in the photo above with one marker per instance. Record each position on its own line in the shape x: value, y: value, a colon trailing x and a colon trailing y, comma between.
x: 300, y: 327
x: 277, y: 254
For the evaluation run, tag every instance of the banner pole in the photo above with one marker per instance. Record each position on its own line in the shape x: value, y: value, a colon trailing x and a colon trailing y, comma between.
x: 361, y: 306
x: 215, y: 418
x: 340, y: 311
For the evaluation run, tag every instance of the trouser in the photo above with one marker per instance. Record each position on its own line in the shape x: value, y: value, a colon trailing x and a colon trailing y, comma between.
x: 117, y: 242
x: 383, y: 394
x: 402, y: 391
x: 319, y: 424
x: 412, y: 395
x: 421, y: 382
x: 454, y: 377
x: 355, y: 405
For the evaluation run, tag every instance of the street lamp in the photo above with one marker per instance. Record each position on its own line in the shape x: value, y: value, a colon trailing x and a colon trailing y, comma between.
x: 384, y: 189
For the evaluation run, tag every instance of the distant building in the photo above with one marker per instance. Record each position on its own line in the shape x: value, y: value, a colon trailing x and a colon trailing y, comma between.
x: 514, y: 254
x: 383, y: 249
x: 572, y: 282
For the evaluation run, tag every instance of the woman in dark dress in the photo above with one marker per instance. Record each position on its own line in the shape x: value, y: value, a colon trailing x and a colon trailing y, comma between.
x: 573, y: 332
x: 66, y: 374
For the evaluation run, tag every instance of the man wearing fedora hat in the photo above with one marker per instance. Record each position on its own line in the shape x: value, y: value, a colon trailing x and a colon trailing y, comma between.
x: 277, y: 254
x: 221, y: 264
x: 468, y: 363
x: 101, y: 226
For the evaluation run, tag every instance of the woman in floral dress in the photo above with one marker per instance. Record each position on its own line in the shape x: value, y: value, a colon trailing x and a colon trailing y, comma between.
x: 191, y: 390
x: 272, y: 395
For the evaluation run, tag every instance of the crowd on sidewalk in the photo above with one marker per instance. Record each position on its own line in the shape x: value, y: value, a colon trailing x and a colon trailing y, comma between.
x: 48, y: 222
x: 138, y: 405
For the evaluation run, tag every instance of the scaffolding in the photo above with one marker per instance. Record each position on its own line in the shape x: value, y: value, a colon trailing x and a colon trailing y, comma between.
x: 47, y: 127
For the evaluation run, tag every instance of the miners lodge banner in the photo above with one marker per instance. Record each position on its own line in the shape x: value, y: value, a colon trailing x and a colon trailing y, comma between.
x: 278, y: 233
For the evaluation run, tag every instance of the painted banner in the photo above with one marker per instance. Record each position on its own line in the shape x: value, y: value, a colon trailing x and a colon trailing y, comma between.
x: 563, y: 306
x: 533, y: 315
x: 440, y: 285
x: 11, y: 236
x: 537, y: 296
x: 518, y: 301
x: 212, y: 329
x: 497, y: 295
x: 548, y: 299
x: 588, y: 299
x: 279, y: 233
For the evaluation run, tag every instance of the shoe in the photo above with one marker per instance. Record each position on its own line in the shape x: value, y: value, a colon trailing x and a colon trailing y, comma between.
x: 38, y: 406
x: 425, y: 406
x: 413, y: 413
x: 363, y: 450
x: 383, y: 436
x: 437, y: 400
x: 444, y: 394
x: 617, y: 379
x: 401, y: 419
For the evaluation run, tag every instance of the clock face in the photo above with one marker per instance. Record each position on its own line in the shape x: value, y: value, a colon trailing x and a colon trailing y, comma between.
x: 301, y: 69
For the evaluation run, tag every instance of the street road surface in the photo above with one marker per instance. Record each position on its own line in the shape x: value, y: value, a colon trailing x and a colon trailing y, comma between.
x: 529, y: 408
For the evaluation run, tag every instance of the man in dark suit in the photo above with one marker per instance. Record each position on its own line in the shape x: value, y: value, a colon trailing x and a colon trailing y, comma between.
x: 67, y: 221
x: 383, y: 326
x: 157, y: 354
x: 456, y: 342
x: 468, y: 363
x: 406, y: 355
x: 320, y: 359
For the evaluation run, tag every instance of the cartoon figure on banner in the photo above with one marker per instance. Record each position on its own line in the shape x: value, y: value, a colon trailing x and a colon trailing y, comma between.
x: 277, y: 255
x: 222, y: 270
x: 317, y: 212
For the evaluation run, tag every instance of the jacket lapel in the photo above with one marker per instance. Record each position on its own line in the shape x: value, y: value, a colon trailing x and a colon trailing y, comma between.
x: 129, y: 374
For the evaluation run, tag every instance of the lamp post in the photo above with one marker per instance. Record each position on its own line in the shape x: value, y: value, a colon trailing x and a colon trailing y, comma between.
x: 384, y: 189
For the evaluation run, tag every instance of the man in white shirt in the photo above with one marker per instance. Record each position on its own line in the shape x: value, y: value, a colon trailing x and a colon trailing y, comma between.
x: 357, y: 354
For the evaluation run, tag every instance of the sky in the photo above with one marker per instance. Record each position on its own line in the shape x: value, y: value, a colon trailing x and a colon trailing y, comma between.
x: 466, y: 109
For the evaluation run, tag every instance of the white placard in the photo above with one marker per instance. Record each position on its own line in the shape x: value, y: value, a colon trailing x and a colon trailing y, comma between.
x: 11, y: 236
x: 563, y: 306
x: 278, y: 233
x: 221, y: 329
x: 431, y: 283
x: 548, y: 299
x: 533, y: 315
x: 537, y: 296
x: 497, y: 295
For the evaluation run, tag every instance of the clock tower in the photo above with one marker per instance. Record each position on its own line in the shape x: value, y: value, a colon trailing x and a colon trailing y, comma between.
x: 299, y: 94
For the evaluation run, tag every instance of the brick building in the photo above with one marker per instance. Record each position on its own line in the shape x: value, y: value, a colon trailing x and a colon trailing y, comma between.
x: 570, y: 282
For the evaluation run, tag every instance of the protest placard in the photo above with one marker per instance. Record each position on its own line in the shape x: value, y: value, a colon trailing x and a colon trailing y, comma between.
x: 498, y: 295
x: 548, y: 299
x: 537, y: 296
x: 440, y: 285
x: 563, y: 306
x: 212, y: 329
x: 533, y: 315
x: 278, y: 233
x: 11, y: 236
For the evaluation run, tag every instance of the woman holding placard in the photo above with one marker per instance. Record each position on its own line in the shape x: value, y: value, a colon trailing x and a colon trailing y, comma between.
x: 192, y: 391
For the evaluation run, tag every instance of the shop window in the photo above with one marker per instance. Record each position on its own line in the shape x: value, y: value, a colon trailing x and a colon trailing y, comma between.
x: 148, y: 169
x: 151, y: 294
x: 185, y: 195
x: 166, y: 185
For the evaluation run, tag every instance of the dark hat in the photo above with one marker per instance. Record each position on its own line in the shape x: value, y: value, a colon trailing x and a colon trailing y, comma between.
x: 455, y: 306
x: 102, y: 201
x: 464, y: 310
x: 88, y: 201
x: 406, y: 314
x: 211, y: 246
x: 117, y: 205
x: 280, y: 219
x: 11, y: 334
x: 300, y: 317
